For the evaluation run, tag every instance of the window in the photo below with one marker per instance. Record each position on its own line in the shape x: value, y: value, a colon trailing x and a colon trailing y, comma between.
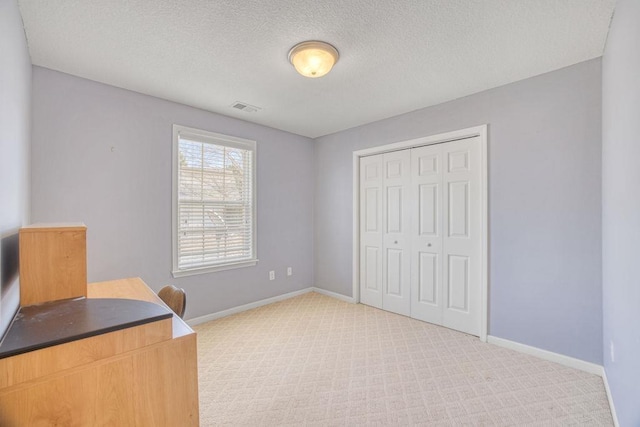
x: 214, y: 212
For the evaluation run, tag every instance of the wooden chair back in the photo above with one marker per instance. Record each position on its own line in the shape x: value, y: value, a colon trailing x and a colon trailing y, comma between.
x: 175, y: 298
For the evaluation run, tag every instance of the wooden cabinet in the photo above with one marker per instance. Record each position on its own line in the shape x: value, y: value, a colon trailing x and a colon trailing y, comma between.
x: 53, y: 262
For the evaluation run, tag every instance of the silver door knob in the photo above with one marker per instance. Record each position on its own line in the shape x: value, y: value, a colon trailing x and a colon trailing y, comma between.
x: 429, y: 244
x: 395, y: 242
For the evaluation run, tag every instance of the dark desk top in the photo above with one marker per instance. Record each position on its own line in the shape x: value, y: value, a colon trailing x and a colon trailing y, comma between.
x: 44, y: 325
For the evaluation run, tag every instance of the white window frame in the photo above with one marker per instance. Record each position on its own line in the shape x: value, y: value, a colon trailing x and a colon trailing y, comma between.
x: 217, y: 139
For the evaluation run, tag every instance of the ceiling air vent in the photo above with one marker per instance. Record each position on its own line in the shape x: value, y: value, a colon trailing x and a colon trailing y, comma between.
x: 243, y: 106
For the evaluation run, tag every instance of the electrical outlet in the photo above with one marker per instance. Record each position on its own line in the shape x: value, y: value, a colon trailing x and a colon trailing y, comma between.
x: 272, y: 275
x: 612, y: 351
x: 289, y: 271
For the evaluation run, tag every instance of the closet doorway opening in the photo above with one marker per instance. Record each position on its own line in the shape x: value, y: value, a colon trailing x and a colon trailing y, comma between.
x: 420, y: 245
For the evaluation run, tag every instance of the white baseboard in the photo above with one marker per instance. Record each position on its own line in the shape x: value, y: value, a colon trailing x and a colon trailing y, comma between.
x: 245, y: 307
x: 610, y: 398
x: 571, y: 362
x: 334, y: 295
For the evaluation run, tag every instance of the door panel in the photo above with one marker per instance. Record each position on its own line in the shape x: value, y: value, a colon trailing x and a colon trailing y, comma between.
x: 371, y: 175
x: 371, y: 264
x: 372, y: 205
x: 462, y: 244
x: 426, y: 277
x: 394, y: 209
x: 396, y: 233
x: 394, y: 166
x: 428, y: 164
x: 428, y: 208
x: 458, y: 161
x: 394, y: 273
x: 459, y: 209
x: 458, y: 283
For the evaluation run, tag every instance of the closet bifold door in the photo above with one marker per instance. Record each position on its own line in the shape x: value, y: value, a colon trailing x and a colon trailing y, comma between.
x: 462, y: 239
x: 446, y: 242
x: 427, y: 249
x: 396, y: 236
x: 371, y: 174
x: 421, y: 233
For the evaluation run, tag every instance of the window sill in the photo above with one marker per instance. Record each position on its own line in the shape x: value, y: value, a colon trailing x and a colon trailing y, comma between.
x: 213, y: 269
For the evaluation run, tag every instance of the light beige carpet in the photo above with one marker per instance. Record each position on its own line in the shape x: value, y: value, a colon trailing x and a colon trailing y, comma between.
x: 314, y: 360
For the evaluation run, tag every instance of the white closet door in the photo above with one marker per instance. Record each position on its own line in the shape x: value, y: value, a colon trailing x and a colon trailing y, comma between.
x: 371, y: 230
x: 396, y: 237
x: 426, y: 248
x: 462, y: 242
x: 421, y: 233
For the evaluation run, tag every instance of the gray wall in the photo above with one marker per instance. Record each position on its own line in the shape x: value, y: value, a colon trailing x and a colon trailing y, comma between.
x: 544, y: 203
x: 621, y: 210
x: 15, y: 126
x: 102, y: 155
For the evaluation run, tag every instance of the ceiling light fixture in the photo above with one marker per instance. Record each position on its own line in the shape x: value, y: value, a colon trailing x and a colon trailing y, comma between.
x: 313, y: 58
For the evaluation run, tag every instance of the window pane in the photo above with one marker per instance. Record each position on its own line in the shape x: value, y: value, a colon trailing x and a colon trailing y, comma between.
x: 215, y: 196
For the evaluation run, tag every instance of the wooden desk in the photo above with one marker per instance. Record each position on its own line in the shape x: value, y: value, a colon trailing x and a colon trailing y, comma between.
x: 140, y: 376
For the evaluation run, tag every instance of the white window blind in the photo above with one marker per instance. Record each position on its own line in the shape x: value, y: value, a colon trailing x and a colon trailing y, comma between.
x: 214, y: 224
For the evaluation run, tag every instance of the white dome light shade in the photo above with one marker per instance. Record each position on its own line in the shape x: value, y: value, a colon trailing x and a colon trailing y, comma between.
x: 313, y: 58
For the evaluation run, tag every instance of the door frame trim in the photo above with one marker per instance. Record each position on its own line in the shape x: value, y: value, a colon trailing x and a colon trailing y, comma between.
x: 476, y: 131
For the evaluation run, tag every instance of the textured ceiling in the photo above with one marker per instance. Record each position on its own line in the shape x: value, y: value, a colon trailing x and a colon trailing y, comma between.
x: 396, y: 56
